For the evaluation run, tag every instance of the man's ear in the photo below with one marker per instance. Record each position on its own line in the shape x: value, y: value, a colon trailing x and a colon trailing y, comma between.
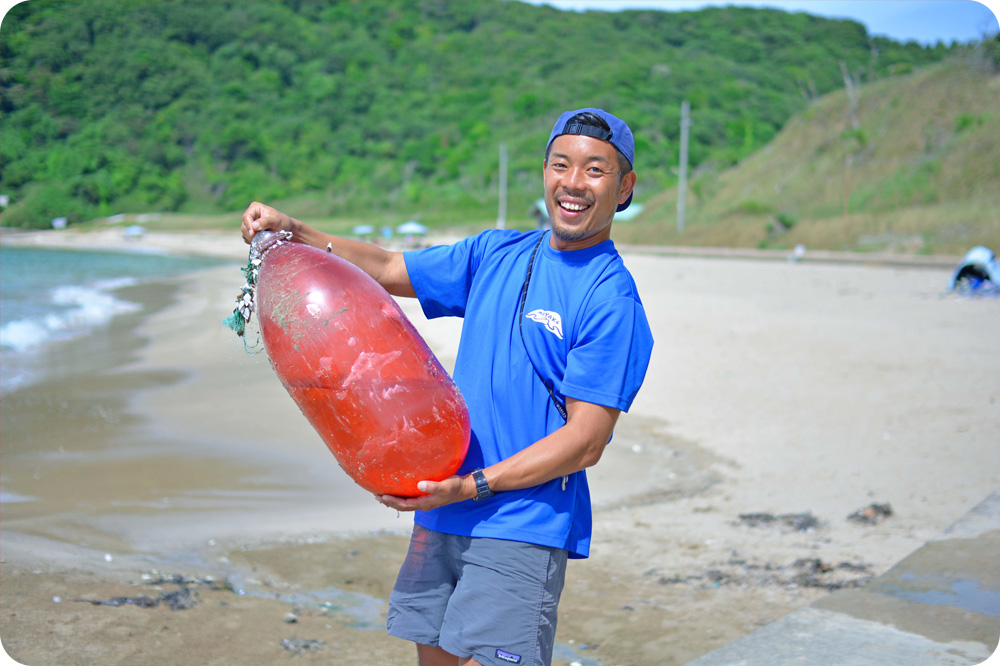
x: 628, y: 184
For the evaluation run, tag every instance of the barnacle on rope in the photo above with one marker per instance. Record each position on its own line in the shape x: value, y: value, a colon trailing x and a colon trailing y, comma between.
x: 245, y: 304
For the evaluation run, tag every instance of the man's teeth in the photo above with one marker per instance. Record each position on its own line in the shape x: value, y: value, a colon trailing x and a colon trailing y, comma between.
x: 577, y: 207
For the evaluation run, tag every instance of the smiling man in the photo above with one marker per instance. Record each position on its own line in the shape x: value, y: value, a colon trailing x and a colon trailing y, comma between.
x: 555, y: 344
x: 588, y: 176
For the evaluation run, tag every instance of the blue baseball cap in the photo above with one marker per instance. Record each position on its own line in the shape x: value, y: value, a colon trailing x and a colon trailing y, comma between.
x: 620, y: 135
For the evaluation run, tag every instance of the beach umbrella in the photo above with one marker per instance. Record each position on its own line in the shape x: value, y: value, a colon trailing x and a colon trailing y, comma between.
x: 629, y: 213
x: 363, y: 230
x: 133, y: 232
x: 411, y: 227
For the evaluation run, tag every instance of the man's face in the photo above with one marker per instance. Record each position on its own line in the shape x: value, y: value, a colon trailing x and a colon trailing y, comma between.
x: 582, y: 190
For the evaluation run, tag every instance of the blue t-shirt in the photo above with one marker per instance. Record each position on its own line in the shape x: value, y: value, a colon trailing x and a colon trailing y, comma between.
x: 587, y: 335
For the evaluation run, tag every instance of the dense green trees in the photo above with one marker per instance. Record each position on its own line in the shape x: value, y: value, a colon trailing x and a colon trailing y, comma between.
x: 114, y: 106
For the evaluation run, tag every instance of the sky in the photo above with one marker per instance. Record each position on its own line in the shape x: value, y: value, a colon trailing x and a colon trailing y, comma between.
x: 925, y: 21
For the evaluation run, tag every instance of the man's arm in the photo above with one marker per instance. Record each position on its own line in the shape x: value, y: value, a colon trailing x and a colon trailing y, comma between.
x: 387, y: 268
x: 575, y: 446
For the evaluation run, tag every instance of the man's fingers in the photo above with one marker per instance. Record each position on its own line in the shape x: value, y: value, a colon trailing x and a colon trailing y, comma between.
x: 256, y: 217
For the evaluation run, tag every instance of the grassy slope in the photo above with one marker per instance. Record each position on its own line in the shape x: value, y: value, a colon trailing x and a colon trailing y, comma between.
x: 922, y: 175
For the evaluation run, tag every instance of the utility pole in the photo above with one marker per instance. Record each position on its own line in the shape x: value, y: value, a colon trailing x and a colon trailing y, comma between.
x: 682, y: 184
x: 853, y: 94
x: 502, y: 214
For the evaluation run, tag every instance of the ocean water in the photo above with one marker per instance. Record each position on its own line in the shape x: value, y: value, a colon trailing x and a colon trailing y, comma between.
x: 49, y: 296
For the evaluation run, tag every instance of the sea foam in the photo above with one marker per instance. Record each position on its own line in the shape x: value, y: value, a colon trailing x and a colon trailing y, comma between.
x: 76, y: 310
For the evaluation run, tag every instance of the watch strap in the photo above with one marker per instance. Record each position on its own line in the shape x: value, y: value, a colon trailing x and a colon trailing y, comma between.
x: 482, y: 486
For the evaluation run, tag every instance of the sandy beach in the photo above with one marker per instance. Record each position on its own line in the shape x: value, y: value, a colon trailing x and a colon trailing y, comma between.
x: 181, y: 480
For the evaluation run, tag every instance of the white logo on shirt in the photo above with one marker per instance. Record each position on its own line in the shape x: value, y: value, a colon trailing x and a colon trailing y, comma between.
x: 551, y: 320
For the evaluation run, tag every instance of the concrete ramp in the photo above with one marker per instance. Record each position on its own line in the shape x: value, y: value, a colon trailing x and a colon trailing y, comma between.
x: 940, y: 606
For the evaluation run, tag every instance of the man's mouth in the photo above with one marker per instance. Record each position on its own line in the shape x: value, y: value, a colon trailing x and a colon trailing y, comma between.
x: 573, y: 207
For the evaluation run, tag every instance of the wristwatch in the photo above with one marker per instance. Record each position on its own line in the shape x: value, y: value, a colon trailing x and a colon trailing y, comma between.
x: 482, y: 486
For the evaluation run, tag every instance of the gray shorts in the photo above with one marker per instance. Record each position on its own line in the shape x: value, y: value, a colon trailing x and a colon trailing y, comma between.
x: 491, y: 599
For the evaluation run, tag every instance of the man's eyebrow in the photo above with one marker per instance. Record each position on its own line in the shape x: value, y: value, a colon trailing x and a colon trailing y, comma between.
x: 591, y: 158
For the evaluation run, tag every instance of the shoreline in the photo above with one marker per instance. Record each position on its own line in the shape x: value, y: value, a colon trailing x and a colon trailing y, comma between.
x: 220, y: 245
x: 776, y: 389
x: 207, y: 243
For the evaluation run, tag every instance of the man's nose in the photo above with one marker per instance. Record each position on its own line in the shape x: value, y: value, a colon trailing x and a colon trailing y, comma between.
x: 573, y: 180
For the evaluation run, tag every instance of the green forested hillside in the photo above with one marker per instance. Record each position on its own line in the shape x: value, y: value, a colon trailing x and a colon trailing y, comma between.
x: 915, y: 169
x: 386, y: 108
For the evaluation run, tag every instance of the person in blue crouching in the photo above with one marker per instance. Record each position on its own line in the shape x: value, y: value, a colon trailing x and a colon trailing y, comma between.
x: 555, y: 344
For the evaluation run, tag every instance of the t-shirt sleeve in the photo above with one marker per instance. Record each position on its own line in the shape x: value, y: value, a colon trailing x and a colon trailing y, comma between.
x: 608, y: 361
x: 442, y: 276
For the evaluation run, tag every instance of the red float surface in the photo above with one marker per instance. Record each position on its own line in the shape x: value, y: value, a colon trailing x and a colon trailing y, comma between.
x: 359, y: 371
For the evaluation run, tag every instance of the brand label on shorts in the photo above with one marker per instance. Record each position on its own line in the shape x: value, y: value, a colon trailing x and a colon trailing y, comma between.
x: 508, y: 657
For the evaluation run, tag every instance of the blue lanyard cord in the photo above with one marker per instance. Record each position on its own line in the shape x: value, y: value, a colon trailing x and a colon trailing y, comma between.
x: 520, y: 326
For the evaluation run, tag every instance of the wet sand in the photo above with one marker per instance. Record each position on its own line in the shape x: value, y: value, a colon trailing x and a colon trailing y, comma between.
x: 800, y: 392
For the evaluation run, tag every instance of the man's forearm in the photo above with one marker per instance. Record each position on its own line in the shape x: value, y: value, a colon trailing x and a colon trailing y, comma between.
x: 387, y: 268
x: 575, y: 446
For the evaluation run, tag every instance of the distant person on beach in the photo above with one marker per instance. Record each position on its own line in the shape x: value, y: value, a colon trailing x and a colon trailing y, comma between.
x: 555, y: 344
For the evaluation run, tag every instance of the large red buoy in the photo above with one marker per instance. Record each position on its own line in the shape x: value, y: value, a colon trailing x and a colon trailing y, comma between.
x: 358, y: 369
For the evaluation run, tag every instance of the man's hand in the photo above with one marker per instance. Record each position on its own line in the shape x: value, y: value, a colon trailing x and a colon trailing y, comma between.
x: 259, y: 217
x: 439, y: 493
